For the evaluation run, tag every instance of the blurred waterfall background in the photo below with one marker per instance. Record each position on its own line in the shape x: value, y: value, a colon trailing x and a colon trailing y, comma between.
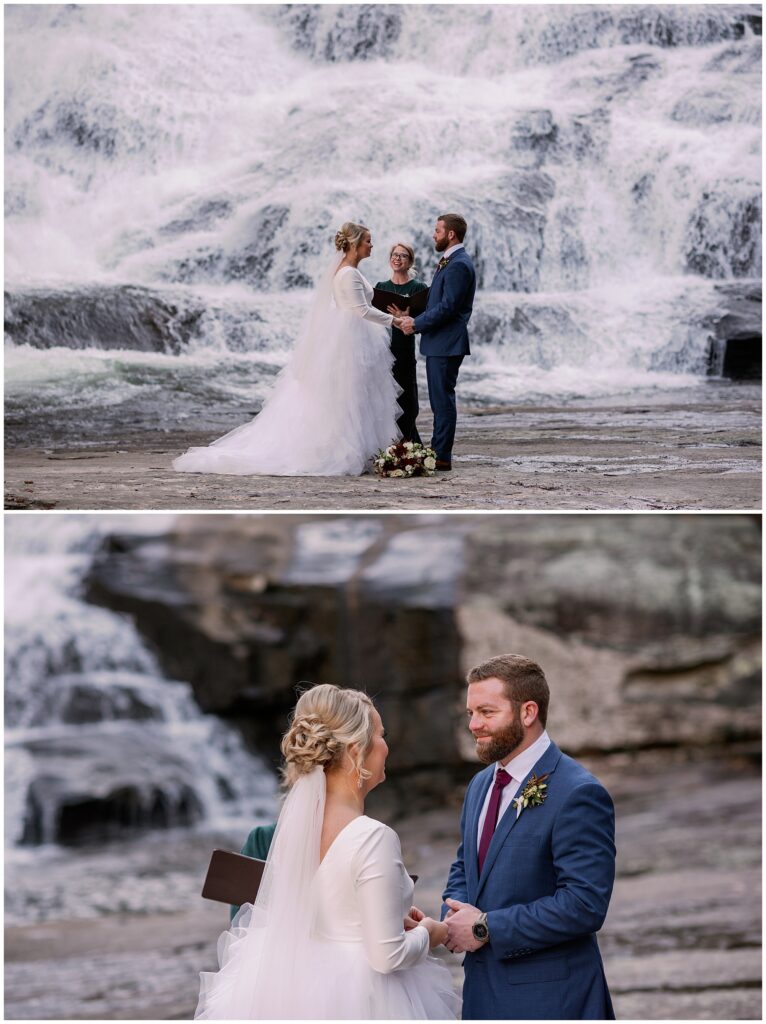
x: 151, y: 662
x: 174, y: 175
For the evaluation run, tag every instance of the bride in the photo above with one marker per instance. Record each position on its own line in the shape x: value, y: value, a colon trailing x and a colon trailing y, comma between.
x: 332, y: 934
x: 335, y: 403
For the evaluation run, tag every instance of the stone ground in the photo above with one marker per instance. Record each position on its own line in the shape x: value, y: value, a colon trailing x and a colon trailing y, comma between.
x: 682, y: 939
x: 691, y: 450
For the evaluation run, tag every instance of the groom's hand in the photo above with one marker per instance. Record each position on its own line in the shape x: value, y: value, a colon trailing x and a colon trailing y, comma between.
x: 407, y: 325
x: 459, y: 924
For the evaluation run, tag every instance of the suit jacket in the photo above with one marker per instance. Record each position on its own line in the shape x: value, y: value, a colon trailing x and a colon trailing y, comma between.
x: 545, y: 886
x: 443, y: 327
x: 257, y: 845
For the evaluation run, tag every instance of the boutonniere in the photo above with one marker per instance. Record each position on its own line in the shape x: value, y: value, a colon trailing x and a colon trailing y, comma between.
x: 533, y: 794
x: 443, y: 263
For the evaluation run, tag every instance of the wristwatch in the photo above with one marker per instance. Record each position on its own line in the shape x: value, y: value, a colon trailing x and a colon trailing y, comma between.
x: 480, y: 929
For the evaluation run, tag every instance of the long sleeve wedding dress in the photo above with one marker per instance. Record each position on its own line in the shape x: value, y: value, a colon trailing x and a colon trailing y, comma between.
x: 333, y: 405
x: 326, y: 941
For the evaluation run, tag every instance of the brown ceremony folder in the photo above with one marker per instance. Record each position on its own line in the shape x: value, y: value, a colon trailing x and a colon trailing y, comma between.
x: 232, y: 878
x: 382, y: 299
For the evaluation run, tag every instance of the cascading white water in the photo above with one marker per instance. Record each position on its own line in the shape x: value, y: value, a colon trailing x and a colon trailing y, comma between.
x: 89, y: 715
x: 607, y: 159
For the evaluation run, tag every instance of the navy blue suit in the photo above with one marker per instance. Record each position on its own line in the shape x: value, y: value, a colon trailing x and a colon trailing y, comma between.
x: 545, y: 886
x: 443, y: 329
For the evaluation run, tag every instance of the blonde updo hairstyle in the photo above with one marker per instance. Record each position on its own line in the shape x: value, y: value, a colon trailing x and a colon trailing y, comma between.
x: 327, y: 720
x: 348, y: 235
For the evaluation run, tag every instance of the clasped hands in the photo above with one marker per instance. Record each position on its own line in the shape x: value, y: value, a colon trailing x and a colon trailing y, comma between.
x: 454, y: 931
x: 402, y: 319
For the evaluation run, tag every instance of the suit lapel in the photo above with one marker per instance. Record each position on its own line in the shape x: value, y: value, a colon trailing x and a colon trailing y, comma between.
x: 471, y: 857
x: 440, y: 270
x: 545, y: 765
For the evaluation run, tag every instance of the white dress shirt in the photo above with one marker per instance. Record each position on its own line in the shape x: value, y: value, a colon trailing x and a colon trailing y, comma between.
x: 453, y: 248
x: 518, y: 768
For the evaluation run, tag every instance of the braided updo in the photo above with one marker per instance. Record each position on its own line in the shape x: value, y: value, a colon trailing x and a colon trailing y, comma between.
x: 349, y: 234
x: 326, y: 721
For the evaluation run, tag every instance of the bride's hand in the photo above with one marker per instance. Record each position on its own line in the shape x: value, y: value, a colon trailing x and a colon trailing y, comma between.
x: 413, y: 919
x: 397, y: 322
x: 437, y: 931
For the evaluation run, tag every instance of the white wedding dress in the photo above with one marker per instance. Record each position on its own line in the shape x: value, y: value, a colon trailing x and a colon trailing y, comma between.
x: 333, y: 405
x: 327, y: 941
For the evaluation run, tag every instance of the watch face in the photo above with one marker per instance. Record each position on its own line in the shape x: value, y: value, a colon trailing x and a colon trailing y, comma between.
x: 480, y: 931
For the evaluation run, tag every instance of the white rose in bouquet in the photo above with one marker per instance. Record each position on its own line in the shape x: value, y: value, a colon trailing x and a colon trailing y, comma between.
x: 429, y: 463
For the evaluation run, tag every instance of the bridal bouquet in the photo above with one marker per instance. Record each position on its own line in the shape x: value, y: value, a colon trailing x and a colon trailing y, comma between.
x: 405, y: 458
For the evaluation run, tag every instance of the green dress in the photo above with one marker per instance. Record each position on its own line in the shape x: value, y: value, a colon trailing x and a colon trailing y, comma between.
x: 257, y: 845
x: 404, y: 369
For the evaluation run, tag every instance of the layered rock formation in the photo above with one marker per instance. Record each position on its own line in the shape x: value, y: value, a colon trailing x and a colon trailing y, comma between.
x: 647, y: 627
x: 121, y: 317
x: 246, y: 608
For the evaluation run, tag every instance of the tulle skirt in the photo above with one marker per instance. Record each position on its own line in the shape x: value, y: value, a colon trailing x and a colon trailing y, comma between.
x: 326, y: 416
x: 334, y: 982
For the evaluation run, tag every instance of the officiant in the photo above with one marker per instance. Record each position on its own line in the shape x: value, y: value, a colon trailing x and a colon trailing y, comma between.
x: 404, y: 283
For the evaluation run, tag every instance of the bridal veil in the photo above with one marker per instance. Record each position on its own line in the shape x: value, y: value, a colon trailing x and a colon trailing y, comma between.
x: 261, y: 982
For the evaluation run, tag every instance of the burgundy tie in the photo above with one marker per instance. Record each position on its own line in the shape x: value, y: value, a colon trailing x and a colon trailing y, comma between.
x: 501, y: 781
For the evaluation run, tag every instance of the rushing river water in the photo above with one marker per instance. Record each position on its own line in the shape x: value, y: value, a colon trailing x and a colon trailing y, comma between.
x: 174, y: 175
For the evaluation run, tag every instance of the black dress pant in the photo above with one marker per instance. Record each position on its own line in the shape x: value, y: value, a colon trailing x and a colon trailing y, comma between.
x: 404, y: 370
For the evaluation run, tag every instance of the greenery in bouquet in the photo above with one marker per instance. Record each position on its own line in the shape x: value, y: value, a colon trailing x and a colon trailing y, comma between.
x: 405, y: 459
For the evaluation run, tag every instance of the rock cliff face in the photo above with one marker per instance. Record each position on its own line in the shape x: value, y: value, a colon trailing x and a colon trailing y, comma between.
x: 107, y: 317
x: 246, y: 608
x: 647, y: 627
x: 736, y: 348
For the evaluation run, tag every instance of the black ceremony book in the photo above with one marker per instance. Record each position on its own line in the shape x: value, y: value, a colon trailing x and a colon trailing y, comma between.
x: 382, y: 299
x: 234, y: 878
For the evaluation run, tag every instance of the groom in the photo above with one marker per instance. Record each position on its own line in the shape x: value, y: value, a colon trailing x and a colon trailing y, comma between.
x: 533, y: 876
x: 444, y: 331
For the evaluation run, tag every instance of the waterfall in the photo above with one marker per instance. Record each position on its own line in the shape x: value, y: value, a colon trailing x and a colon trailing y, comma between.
x: 174, y: 176
x: 97, y: 741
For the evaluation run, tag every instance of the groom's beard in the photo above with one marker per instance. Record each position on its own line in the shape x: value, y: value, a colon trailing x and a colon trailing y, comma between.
x: 441, y: 245
x: 502, y: 743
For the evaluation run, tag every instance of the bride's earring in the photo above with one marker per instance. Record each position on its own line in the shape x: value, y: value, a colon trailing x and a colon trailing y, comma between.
x: 360, y: 781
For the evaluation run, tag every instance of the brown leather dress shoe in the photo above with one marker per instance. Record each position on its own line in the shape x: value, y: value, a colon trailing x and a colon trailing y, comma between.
x: 445, y: 467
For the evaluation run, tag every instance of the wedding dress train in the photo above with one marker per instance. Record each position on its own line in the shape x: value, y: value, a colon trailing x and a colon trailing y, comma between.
x: 333, y: 405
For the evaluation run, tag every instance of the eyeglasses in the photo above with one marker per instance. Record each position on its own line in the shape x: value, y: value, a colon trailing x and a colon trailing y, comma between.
x: 400, y: 255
